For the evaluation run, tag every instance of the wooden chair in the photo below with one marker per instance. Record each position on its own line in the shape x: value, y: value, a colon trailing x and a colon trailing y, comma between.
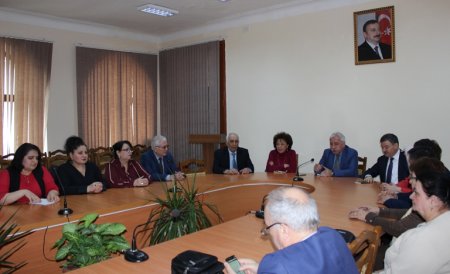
x: 102, y: 159
x: 138, y: 150
x: 8, y: 156
x: 93, y: 151
x: 55, y: 158
x: 362, y: 165
x: 192, y: 166
x: 6, y: 160
x: 4, y: 164
x: 364, y: 249
x: 56, y: 152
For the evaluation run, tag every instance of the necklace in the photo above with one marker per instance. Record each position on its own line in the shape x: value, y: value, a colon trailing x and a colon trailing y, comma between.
x: 27, y: 178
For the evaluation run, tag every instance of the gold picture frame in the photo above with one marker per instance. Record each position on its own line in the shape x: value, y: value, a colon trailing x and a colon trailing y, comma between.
x: 374, y: 35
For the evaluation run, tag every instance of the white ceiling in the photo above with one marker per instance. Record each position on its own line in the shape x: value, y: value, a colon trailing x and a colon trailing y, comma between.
x: 193, y: 14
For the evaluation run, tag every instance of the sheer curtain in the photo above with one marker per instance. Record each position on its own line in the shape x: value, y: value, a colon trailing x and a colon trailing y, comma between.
x: 190, y: 96
x: 25, y: 68
x: 116, y: 96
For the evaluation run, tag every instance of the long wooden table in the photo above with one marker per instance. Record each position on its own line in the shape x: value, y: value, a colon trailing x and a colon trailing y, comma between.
x: 234, y: 196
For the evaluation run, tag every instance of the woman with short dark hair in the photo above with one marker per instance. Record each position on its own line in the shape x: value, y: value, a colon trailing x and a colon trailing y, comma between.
x: 283, y: 158
x: 124, y: 171
x: 26, y: 180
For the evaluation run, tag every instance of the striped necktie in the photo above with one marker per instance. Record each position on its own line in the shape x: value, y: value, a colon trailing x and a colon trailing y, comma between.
x: 234, y: 160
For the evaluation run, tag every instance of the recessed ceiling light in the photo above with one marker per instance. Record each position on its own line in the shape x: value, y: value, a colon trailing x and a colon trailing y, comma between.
x: 157, y: 10
x: 224, y: 0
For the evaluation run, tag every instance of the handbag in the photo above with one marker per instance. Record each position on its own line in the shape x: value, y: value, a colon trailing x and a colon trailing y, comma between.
x: 194, y: 262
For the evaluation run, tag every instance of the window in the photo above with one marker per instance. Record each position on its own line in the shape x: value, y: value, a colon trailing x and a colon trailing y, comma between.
x: 24, y: 78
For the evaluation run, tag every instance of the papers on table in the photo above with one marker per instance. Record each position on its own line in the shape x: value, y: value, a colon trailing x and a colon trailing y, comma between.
x: 43, y: 202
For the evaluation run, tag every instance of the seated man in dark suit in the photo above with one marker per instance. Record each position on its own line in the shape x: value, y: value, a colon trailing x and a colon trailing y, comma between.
x: 232, y: 159
x: 159, y: 162
x: 339, y: 160
x: 372, y: 48
x: 392, y: 167
x: 292, y: 223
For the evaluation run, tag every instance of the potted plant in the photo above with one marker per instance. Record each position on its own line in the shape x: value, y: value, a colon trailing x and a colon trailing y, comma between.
x: 86, y: 243
x: 9, y: 233
x: 180, y: 212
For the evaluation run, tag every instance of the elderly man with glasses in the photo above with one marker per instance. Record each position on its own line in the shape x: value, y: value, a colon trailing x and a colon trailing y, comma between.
x: 159, y: 162
x: 292, y: 220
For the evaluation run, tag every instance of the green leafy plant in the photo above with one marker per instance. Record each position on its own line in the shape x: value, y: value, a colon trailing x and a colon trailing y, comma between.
x: 87, y: 243
x: 9, y: 233
x: 179, y: 213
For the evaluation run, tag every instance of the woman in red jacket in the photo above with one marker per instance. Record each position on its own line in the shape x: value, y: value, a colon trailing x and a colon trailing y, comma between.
x: 26, y: 180
x: 283, y: 158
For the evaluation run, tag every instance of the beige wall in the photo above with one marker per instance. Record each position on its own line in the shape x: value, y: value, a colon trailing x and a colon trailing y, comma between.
x: 298, y: 75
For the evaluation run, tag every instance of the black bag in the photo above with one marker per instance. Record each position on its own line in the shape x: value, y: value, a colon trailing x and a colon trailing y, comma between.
x: 347, y: 235
x: 194, y: 262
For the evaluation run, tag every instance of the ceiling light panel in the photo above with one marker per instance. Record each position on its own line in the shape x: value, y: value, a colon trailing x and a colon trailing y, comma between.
x: 157, y: 10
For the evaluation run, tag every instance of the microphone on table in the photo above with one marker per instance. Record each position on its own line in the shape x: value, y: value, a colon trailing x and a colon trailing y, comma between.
x: 297, y: 177
x: 260, y: 213
x: 65, y: 210
x: 135, y: 255
x: 175, y: 188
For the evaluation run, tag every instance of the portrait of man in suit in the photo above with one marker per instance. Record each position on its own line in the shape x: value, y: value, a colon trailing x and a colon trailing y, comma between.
x: 374, y: 36
x: 372, y: 48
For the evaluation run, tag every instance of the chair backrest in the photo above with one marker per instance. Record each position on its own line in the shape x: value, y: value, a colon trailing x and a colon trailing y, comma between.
x: 192, y: 166
x: 362, y: 165
x: 8, y: 156
x: 54, y: 158
x: 6, y: 160
x: 4, y: 164
x: 138, y: 150
x: 56, y: 152
x: 102, y: 159
x: 364, y: 249
x: 92, y: 152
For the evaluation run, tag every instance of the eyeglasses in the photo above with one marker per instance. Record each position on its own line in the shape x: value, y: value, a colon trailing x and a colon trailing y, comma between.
x: 412, y: 178
x: 265, y: 231
x: 163, y: 147
x: 127, y: 150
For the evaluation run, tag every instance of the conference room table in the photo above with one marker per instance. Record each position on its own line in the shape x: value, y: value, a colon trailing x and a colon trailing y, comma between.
x: 236, y: 197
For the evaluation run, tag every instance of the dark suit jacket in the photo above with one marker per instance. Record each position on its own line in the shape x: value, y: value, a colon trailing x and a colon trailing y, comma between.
x: 323, y: 252
x: 379, y: 168
x: 366, y: 52
x: 349, y: 162
x: 222, y: 160
x: 151, y: 165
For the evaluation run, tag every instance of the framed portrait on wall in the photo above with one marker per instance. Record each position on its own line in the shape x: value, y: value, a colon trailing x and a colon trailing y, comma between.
x: 374, y: 35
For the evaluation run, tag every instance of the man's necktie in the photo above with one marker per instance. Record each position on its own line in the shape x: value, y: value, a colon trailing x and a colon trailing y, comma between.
x: 161, y: 166
x: 376, y: 51
x: 389, y: 171
x: 337, y: 162
x: 234, y: 160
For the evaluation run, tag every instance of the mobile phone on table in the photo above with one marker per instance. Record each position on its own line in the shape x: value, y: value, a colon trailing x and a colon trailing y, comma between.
x: 234, y: 263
